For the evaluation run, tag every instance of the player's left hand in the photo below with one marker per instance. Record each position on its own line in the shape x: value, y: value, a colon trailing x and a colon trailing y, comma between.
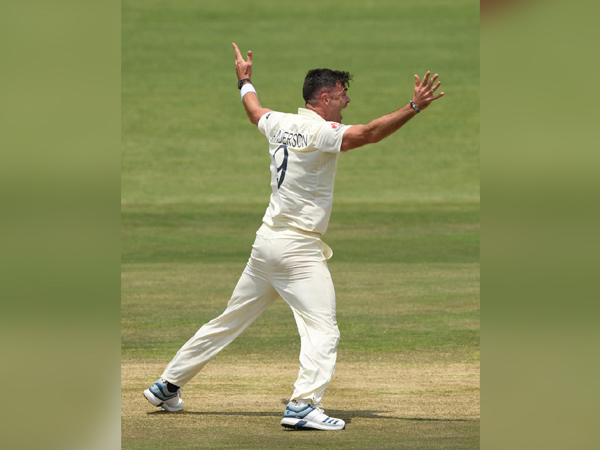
x: 243, y: 68
x: 424, y: 90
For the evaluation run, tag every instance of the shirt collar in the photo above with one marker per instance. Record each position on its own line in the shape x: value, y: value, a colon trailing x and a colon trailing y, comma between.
x: 309, y: 113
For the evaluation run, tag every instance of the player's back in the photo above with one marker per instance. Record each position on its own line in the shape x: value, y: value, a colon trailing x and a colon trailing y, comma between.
x: 304, y: 149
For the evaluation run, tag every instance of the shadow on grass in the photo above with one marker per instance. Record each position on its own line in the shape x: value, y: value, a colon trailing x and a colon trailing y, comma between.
x: 346, y: 416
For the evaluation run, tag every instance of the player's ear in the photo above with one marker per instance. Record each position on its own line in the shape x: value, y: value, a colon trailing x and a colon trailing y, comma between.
x: 324, y: 97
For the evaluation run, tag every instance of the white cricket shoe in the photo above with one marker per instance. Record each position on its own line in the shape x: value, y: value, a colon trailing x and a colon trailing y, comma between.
x: 304, y: 415
x: 159, y: 395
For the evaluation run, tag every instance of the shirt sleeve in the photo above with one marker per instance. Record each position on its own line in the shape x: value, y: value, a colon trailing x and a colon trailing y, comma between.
x: 267, y: 121
x: 329, y: 137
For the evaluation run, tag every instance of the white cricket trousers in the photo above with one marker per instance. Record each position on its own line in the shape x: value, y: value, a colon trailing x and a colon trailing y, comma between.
x: 283, y: 263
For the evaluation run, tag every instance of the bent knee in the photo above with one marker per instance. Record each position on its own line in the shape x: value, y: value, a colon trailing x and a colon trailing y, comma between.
x: 331, y: 337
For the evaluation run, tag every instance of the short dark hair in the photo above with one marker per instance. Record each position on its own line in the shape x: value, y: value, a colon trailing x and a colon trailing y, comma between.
x: 318, y: 79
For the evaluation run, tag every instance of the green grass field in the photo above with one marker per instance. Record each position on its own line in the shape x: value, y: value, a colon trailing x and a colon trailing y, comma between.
x: 404, y: 228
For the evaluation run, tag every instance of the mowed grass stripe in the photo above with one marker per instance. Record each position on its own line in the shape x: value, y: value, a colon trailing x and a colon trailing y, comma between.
x: 397, y: 311
x: 407, y: 279
x: 363, y: 233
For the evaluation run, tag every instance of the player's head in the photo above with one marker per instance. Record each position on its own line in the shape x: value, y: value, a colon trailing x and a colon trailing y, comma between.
x: 325, y: 91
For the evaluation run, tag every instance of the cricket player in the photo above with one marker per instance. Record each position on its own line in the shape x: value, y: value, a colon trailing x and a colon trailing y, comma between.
x: 288, y: 258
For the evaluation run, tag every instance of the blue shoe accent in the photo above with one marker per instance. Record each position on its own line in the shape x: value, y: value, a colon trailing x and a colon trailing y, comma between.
x: 159, y: 390
x: 301, y: 423
x: 297, y: 412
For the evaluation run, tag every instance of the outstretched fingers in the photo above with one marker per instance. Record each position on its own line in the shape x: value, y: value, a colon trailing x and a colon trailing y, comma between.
x: 425, y: 90
x: 433, y: 78
x: 426, y: 78
x: 238, y: 54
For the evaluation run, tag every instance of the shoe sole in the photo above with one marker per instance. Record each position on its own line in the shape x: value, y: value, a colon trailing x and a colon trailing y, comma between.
x: 154, y: 400
x: 300, y: 424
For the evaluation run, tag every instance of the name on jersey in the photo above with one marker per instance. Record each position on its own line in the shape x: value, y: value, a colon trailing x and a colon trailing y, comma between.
x: 291, y: 139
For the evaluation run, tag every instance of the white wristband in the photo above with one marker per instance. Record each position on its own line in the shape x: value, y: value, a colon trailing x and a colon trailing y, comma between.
x: 247, y: 88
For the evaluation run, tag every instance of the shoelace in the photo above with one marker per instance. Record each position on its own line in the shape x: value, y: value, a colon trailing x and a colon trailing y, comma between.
x: 317, y: 407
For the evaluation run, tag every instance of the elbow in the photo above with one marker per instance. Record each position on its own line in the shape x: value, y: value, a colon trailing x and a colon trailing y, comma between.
x: 254, y: 118
x: 256, y: 115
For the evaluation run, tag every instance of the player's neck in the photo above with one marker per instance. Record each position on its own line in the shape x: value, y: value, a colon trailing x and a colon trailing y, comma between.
x: 320, y: 111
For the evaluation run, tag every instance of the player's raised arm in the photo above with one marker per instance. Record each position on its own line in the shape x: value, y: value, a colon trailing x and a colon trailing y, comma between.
x: 378, y: 129
x: 243, y: 69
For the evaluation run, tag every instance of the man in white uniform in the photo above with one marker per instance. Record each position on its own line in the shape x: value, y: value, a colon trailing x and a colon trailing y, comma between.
x: 289, y: 259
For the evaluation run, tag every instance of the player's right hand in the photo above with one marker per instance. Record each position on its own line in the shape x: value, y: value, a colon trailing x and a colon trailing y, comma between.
x: 424, y: 90
x: 243, y: 68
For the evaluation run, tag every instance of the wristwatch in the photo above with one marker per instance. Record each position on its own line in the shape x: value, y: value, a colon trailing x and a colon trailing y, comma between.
x: 242, y: 81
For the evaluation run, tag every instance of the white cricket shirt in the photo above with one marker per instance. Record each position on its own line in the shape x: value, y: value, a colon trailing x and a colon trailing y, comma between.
x: 304, y: 149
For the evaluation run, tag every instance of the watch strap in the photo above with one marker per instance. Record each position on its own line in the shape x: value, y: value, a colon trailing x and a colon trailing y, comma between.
x: 242, y: 81
x: 412, y: 104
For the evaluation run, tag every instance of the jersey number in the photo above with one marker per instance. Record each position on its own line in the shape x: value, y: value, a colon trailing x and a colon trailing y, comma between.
x: 283, y: 167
